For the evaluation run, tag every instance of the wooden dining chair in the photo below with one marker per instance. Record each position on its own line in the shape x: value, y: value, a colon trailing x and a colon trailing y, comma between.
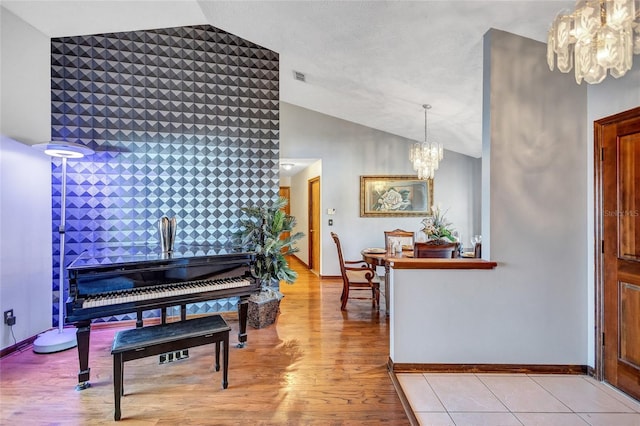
x: 405, y: 238
x: 357, y: 275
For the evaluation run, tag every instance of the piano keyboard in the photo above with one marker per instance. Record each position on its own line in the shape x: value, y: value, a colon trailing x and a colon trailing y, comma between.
x: 164, y: 290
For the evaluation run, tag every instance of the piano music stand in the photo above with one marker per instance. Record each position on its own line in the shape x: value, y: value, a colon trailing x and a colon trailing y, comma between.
x: 60, y: 339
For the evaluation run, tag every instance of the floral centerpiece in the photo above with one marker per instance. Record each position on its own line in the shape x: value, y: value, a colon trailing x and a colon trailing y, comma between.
x: 437, y: 228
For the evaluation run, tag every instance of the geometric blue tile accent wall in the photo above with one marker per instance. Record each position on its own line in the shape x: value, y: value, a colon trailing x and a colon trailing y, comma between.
x: 184, y: 122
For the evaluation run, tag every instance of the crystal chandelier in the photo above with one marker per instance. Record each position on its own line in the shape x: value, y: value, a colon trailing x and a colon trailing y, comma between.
x: 599, y: 35
x: 426, y: 156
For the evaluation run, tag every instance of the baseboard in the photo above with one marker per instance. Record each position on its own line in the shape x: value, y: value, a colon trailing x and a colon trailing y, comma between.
x: 322, y: 277
x: 488, y: 368
x: 298, y: 260
x: 18, y: 347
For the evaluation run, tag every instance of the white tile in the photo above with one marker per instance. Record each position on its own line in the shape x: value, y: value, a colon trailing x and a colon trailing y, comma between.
x: 434, y: 419
x: 550, y: 419
x: 620, y: 396
x: 418, y: 392
x: 485, y: 419
x: 581, y: 394
x: 522, y: 394
x: 464, y: 393
x: 611, y: 419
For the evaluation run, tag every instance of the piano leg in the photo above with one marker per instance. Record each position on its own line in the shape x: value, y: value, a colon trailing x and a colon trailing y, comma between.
x: 183, y: 312
x: 82, y: 335
x: 139, y: 322
x: 243, y: 309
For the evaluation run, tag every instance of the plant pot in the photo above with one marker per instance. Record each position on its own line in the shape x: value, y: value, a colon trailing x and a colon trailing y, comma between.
x: 263, y: 313
x: 437, y: 249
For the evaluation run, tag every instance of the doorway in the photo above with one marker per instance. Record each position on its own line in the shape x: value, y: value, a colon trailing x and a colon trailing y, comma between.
x: 314, y: 224
x: 617, y: 199
x: 285, y: 192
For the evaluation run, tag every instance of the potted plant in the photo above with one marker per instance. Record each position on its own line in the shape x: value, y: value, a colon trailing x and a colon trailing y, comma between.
x: 268, y: 232
x: 440, y: 238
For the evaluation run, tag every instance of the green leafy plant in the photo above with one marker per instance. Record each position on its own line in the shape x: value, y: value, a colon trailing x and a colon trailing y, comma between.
x: 262, y: 230
x: 436, y: 227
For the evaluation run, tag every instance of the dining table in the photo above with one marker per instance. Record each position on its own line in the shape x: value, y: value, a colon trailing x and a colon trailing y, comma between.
x: 381, y: 257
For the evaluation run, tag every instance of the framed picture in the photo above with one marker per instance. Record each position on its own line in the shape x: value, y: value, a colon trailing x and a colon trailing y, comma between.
x: 382, y: 196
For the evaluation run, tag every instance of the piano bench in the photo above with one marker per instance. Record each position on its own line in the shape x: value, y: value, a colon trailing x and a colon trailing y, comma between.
x: 153, y: 340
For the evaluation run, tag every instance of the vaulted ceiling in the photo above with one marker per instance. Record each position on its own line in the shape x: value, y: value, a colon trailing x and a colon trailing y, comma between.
x: 370, y: 62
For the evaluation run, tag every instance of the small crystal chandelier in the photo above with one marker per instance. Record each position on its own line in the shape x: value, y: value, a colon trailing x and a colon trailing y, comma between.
x: 599, y: 36
x: 426, y: 156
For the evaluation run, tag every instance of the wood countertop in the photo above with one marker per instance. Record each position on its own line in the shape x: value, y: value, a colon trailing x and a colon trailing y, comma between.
x: 435, y: 263
x: 409, y: 262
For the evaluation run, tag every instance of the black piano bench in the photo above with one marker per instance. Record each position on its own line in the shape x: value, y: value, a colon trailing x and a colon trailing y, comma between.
x: 154, y: 340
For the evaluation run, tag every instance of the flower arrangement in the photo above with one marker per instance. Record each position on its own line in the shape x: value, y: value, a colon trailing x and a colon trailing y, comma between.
x: 436, y: 227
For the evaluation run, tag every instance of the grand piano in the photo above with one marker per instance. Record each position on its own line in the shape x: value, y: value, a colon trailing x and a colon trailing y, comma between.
x: 115, y: 281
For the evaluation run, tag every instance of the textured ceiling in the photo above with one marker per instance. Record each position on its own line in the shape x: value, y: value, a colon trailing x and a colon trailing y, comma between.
x: 370, y: 62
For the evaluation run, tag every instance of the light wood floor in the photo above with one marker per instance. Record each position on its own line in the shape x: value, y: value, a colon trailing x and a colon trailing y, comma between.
x: 315, y: 366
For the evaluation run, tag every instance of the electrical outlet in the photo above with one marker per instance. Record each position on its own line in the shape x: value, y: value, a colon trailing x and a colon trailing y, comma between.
x: 9, y: 319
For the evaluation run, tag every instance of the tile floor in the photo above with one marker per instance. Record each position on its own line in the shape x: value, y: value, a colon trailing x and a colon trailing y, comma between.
x: 516, y: 399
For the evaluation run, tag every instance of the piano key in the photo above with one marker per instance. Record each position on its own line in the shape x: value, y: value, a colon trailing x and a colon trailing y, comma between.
x: 162, y: 291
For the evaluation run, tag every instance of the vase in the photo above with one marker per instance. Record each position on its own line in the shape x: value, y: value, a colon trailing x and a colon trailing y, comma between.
x: 263, y: 313
x: 435, y: 249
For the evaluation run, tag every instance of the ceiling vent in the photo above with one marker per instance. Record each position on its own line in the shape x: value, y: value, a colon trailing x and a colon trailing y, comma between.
x: 299, y: 76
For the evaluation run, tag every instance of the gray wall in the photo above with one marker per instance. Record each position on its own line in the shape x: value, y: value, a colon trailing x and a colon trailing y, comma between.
x: 25, y: 180
x: 349, y: 150
x: 532, y: 309
x: 538, y: 305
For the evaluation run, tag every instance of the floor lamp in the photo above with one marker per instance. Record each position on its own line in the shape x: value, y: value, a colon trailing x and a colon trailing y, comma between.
x: 60, y: 339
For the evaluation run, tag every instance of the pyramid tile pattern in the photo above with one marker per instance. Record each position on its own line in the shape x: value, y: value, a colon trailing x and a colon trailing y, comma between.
x: 184, y: 122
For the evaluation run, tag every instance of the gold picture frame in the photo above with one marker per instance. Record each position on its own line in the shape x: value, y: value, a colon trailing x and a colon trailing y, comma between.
x: 396, y: 195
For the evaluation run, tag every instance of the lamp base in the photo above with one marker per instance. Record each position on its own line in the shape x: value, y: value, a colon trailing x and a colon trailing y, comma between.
x: 55, y: 341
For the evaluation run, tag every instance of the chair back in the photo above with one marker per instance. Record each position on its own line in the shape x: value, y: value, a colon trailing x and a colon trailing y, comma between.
x: 424, y: 250
x: 340, y: 258
x: 405, y: 238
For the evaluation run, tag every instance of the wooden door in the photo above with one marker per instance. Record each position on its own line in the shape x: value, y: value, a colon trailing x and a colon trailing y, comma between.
x: 617, y: 139
x: 285, y: 191
x: 314, y: 224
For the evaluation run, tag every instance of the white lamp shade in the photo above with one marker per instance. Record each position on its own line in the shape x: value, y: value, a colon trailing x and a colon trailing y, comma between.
x: 64, y: 149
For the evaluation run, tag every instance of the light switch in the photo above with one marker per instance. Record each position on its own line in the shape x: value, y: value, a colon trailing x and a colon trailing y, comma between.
x: 331, y: 211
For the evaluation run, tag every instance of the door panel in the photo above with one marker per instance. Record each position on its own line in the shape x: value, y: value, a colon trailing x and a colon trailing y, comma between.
x: 629, y: 195
x: 618, y: 138
x: 285, y: 192
x: 629, y: 335
x: 314, y: 224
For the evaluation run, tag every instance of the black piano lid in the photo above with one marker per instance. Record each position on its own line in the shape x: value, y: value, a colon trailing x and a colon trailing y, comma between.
x: 133, y: 256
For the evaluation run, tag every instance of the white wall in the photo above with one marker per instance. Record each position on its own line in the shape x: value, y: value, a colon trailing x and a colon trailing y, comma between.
x: 25, y: 246
x: 300, y: 205
x: 349, y: 150
x: 25, y: 179
x: 25, y: 81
